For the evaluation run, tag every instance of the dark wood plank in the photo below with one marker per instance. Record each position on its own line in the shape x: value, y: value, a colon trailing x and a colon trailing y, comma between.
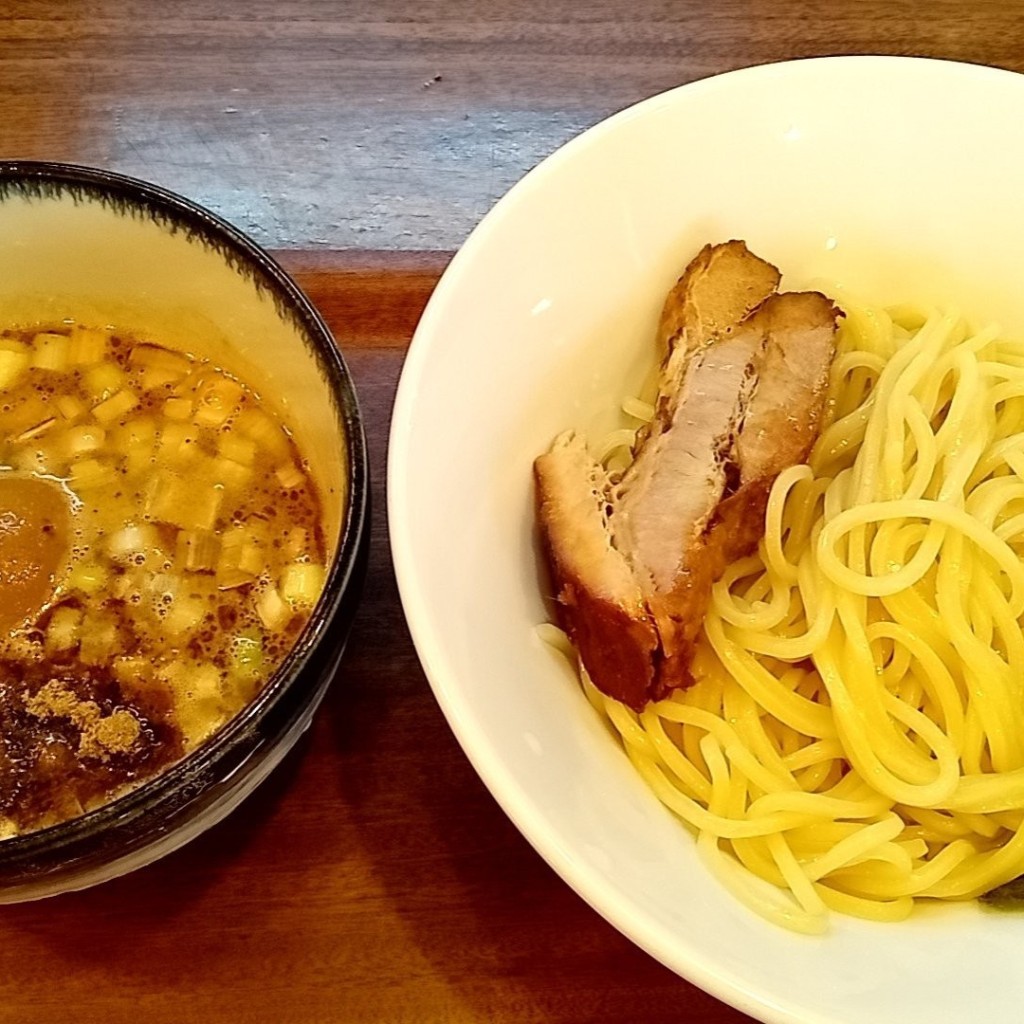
x: 383, y: 124
x: 370, y: 299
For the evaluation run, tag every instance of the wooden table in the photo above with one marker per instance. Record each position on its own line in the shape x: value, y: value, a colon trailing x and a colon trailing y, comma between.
x: 372, y: 878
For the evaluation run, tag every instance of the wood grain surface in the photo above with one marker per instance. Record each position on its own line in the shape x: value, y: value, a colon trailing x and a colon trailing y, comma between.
x: 372, y: 878
x: 384, y: 124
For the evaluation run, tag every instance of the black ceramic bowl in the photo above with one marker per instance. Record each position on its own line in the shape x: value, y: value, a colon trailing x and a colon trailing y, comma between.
x: 105, y: 249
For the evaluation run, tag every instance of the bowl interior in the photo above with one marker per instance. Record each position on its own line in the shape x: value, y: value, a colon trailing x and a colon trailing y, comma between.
x: 894, y: 178
x: 103, y: 256
x: 107, y: 251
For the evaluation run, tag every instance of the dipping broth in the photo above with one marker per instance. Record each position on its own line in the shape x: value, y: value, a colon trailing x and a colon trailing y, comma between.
x: 160, y: 551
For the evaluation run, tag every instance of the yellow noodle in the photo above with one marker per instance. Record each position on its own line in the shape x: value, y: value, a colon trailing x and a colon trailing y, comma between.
x: 855, y: 738
x: 615, y: 441
x: 819, y: 752
x: 855, y: 847
x: 775, y: 557
x: 796, y: 876
x: 768, y: 901
x: 958, y: 520
x: 870, y: 909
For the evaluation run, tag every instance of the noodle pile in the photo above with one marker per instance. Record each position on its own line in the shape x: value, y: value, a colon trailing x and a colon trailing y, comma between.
x: 855, y: 737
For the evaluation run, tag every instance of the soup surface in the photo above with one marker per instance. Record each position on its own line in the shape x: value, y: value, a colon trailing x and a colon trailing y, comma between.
x: 160, y: 551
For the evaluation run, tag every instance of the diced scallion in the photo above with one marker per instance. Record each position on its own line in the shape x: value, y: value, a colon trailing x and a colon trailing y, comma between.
x: 230, y: 577
x: 196, y: 551
x: 86, y: 346
x: 99, y: 638
x: 64, y: 629
x: 103, y: 380
x: 261, y: 428
x: 158, y: 366
x: 302, y: 584
x: 190, y: 504
x: 218, y: 399
x: 273, y: 610
x: 179, y: 445
x: 50, y: 351
x: 88, y: 577
x: 137, y: 439
x: 115, y: 407
x: 289, y: 475
x: 13, y: 362
x: 71, y: 407
x: 185, y: 613
x: 231, y: 474
x: 87, y: 437
x: 92, y: 473
x: 132, y: 542
x: 252, y: 559
x: 247, y: 658
x: 179, y: 409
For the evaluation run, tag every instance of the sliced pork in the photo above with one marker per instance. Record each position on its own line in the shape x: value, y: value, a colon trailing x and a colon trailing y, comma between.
x: 721, y: 285
x: 600, y: 604
x: 741, y: 391
x: 666, y: 499
x: 783, y: 419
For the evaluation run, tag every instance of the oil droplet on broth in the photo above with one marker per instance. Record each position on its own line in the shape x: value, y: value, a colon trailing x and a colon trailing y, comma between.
x: 35, y: 520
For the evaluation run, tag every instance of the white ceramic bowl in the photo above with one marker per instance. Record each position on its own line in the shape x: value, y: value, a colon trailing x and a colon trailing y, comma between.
x: 898, y: 178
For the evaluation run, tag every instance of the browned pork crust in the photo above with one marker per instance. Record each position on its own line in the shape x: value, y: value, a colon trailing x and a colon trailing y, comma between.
x: 720, y: 286
x: 741, y: 394
x: 599, y: 602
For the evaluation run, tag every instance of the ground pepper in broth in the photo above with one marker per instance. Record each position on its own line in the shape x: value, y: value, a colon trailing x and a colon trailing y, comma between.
x: 160, y: 551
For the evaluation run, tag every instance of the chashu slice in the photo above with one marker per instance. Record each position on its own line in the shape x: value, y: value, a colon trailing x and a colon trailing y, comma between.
x: 720, y: 286
x: 740, y: 398
x: 775, y: 367
x: 599, y: 602
x: 667, y: 498
x: 665, y: 504
x: 783, y: 416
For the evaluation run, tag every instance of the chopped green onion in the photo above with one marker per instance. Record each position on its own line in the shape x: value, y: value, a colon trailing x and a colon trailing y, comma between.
x: 12, y: 363
x: 115, y: 407
x: 302, y: 584
x: 273, y: 610
x: 50, y: 351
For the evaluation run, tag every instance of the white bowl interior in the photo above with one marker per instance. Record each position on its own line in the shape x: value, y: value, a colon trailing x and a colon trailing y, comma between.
x: 896, y: 178
x: 71, y: 253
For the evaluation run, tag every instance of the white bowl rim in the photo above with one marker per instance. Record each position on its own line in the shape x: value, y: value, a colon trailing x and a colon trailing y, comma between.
x: 659, y: 942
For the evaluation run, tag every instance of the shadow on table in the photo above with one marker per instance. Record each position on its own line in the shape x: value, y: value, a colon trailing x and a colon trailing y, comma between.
x: 483, y: 909
x: 126, y: 913
x: 478, y: 906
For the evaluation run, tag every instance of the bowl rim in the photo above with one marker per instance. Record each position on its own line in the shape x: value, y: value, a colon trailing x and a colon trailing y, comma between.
x: 52, y: 180
x: 727, y: 985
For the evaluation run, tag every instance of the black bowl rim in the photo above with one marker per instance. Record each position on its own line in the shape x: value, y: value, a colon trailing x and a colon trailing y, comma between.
x: 127, y: 195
